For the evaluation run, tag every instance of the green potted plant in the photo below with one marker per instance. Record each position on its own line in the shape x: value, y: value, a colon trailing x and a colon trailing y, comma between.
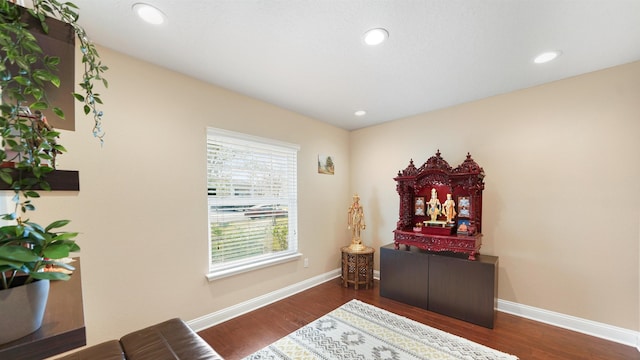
x: 30, y: 146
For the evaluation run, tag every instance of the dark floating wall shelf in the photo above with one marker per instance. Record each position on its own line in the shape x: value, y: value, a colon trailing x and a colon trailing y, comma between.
x: 61, y: 180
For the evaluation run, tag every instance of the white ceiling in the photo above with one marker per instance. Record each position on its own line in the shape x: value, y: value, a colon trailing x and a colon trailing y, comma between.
x: 308, y: 55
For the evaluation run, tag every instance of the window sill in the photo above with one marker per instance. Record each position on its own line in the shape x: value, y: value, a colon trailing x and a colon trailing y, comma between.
x: 239, y: 269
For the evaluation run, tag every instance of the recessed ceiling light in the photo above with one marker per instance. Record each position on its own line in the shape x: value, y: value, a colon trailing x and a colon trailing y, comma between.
x: 149, y: 13
x: 546, y: 56
x: 375, y: 36
x: 360, y: 113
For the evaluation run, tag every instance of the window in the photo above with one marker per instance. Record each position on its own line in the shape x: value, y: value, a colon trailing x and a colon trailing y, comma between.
x: 252, y: 197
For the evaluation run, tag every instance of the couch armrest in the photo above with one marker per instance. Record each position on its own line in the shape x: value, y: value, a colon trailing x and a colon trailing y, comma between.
x: 168, y: 340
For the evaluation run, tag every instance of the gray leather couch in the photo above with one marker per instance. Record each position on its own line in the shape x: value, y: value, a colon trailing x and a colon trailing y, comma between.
x: 169, y: 340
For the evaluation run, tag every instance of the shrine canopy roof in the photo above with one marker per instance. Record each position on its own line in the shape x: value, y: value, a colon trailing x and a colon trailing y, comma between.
x: 437, y: 164
x: 469, y: 166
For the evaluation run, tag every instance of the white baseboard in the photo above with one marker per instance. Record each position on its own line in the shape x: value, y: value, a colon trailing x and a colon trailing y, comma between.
x: 231, y: 312
x: 593, y: 328
x: 604, y: 331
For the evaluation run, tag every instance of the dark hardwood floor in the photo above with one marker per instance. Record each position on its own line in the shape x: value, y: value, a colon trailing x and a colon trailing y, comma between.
x: 529, y: 340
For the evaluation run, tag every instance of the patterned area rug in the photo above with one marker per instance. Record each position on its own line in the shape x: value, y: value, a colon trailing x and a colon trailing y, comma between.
x: 357, y: 330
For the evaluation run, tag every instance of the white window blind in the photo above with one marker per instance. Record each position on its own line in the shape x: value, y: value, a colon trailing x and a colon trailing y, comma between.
x: 252, y: 196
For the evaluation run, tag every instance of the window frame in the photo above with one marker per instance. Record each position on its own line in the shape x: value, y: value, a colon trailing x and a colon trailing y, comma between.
x: 230, y: 268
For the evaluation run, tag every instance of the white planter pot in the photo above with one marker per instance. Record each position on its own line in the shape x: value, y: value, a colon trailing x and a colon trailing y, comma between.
x: 22, y: 310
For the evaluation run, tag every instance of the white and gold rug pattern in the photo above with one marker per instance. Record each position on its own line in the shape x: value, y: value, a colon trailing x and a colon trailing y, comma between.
x: 357, y: 330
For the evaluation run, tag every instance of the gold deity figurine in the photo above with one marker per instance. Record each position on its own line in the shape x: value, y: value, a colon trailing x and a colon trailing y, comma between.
x: 433, y: 206
x: 449, y: 209
x: 355, y: 221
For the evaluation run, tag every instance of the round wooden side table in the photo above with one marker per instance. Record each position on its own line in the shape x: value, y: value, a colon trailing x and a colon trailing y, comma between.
x: 357, y: 267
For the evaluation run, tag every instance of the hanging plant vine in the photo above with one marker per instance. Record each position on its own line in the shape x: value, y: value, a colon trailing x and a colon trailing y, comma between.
x: 93, y: 67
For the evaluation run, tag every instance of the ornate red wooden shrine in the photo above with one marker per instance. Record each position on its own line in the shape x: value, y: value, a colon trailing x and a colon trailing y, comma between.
x: 463, y: 234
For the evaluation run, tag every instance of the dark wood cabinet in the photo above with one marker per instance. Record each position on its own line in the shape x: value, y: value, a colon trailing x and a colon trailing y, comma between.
x: 401, y: 276
x: 463, y: 289
x: 449, y: 285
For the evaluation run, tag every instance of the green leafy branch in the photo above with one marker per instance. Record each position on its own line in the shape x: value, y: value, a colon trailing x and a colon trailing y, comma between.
x: 28, y: 141
x: 29, y: 248
x: 93, y: 67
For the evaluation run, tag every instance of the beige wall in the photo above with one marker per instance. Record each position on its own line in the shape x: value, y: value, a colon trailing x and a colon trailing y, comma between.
x: 562, y: 196
x: 142, y: 207
x: 557, y: 158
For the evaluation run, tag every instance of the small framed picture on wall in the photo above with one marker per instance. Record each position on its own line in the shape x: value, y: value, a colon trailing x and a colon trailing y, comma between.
x: 325, y: 164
